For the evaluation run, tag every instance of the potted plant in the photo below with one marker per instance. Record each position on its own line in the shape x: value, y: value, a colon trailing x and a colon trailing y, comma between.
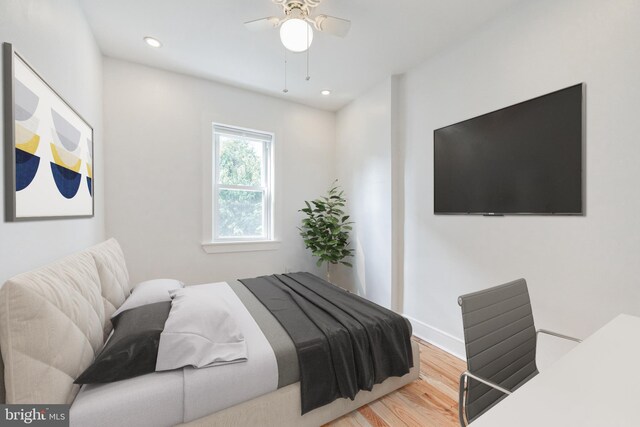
x: 325, y: 229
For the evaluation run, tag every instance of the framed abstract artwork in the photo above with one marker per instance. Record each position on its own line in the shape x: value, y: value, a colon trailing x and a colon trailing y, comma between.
x: 48, y: 148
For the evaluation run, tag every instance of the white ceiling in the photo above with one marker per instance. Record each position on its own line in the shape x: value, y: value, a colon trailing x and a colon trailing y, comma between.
x: 206, y: 38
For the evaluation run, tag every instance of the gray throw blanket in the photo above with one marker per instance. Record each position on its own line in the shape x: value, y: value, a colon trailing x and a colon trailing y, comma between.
x: 344, y: 343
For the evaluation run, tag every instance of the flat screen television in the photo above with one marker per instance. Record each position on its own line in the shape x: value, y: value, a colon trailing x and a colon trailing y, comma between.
x: 523, y: 159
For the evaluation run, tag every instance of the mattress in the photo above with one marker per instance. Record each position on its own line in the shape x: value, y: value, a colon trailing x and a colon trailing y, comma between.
x: 174, y: 397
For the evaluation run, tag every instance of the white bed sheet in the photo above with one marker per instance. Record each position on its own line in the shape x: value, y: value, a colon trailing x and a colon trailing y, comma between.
x: 169, y: 398
x: 209, y: 390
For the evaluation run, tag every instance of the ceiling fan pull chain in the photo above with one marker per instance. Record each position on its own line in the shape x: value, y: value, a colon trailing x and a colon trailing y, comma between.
x: 285, y: 90
x: 308, y: 49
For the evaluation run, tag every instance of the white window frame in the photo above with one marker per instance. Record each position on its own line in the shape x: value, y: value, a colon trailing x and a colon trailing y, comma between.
x: 267, y: 188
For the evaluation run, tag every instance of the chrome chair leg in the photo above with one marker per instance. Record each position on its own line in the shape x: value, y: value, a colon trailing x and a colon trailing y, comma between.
x: 463, y: 390
x: 461, y: 399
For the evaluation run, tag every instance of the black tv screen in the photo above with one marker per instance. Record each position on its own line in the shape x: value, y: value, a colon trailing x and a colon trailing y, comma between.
x: 523, y: 159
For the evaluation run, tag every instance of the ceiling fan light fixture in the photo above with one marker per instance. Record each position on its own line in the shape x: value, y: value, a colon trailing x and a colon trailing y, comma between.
x: 296, y: 35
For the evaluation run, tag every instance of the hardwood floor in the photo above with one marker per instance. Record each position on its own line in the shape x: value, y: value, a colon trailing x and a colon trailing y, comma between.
x: 430, y: 401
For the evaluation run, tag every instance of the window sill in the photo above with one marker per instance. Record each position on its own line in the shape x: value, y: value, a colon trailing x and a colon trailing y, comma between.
x: 249, y: 246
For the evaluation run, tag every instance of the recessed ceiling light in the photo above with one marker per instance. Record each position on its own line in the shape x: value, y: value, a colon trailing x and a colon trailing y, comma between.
x: 326, y: 92
x: 152, y: 42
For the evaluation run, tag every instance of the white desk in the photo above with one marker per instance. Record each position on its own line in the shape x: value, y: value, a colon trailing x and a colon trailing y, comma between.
x: 596, y: 384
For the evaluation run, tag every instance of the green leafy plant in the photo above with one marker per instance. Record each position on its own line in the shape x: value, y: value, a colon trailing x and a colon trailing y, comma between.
x: 325, y: 230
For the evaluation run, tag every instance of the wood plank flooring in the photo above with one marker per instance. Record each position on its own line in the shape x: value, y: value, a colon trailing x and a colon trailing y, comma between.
x: 429, y: 401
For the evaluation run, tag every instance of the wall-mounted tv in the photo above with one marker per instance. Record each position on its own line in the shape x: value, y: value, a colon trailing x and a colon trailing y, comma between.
x: 523, y: 159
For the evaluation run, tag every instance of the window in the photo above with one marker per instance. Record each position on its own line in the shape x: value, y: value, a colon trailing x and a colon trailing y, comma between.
x: 242, y: 185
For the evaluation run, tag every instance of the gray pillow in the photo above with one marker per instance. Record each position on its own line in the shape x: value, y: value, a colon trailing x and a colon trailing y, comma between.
x: 132, y: 348
x: 200, y: 331
x: 149, y: 292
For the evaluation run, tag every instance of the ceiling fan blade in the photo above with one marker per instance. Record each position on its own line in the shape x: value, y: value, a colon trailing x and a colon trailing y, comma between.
x: 332, y: 25
x: 263, y: 24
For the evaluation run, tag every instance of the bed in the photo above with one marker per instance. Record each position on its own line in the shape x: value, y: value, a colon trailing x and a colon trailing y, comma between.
x: 54, y: 320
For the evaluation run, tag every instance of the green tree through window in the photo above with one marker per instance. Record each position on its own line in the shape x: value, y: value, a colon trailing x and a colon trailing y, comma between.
x: 242, y: 180
x: 239, y: 163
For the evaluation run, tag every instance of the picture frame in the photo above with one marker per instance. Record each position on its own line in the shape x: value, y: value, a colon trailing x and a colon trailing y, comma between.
x: 49, y: 153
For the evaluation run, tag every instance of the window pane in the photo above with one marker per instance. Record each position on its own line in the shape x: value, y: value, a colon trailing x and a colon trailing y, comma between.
x: 240, y: 213
x: 240, y: 161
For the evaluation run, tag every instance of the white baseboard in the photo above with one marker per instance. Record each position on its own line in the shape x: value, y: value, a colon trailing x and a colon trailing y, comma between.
x: 441, y: 339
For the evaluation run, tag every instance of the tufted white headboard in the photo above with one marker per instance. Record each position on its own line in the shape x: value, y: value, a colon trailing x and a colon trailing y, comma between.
x: 54, y: 319
x: 114, y: 278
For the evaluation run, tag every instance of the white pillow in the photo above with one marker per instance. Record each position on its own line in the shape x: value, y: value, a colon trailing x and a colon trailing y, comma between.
x: 149, y: 292
x: 200, y: 331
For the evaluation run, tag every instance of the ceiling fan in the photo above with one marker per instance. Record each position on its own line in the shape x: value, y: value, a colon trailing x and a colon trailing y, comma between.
x: 296, y: 31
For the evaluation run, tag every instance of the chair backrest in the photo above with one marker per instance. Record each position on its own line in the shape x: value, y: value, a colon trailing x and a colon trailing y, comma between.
x: 500, y: 341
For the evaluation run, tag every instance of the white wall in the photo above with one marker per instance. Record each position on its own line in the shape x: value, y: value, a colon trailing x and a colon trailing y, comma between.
x: 581, y: 271
x: 158, y: 127
x: 364, y: 167
x: 56, y: 40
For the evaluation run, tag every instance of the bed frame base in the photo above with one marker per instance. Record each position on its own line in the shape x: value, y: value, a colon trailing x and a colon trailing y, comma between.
x: 282, y: 407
